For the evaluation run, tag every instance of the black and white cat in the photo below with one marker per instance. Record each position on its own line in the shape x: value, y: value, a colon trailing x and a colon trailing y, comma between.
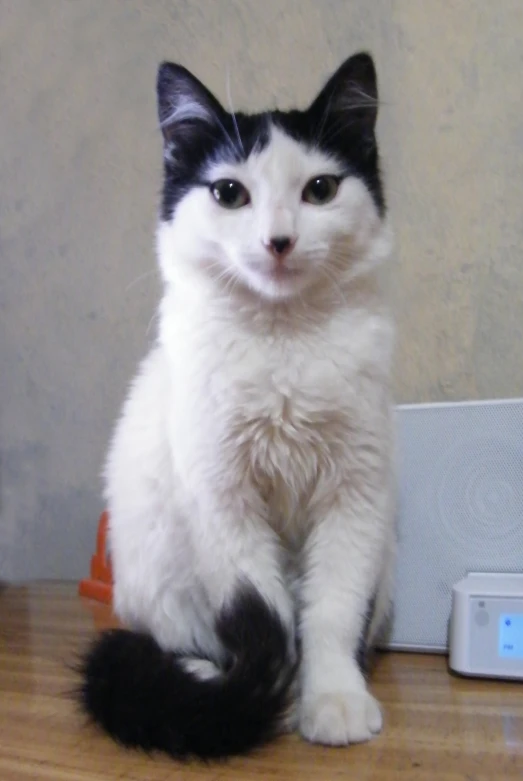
x: 250, y: 480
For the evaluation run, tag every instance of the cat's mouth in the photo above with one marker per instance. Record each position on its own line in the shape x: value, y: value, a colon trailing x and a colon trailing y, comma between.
x: 277, y: 279
x: 282, y: 272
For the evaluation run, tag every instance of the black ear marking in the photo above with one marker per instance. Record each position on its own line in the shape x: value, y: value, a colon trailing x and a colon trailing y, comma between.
x: 352, y: 93
x: 183, y: 101
x: 197, y: 129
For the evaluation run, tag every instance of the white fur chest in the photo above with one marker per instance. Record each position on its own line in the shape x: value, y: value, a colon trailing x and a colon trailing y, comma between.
x: 274, y: 412
x: 286, y: 420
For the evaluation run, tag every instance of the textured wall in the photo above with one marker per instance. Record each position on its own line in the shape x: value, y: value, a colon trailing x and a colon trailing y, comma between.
x: 79, y: 177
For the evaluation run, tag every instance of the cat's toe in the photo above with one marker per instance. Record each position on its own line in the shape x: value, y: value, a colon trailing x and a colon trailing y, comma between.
x: 374, y: 715
x: 340, y: 719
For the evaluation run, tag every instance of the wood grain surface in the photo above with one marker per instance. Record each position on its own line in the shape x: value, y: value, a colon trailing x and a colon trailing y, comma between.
x: 437, y: 727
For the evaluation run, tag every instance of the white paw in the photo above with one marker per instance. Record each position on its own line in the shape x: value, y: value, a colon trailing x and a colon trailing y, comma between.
x: 340, y: 719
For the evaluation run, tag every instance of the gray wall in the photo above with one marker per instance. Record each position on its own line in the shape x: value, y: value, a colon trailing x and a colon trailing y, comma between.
x: 79, y: 177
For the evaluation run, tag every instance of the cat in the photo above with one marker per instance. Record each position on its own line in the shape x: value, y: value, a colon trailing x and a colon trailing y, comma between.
x: 250, y: 476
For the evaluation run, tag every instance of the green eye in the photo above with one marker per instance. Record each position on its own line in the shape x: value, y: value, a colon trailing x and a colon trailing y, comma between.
x: 230, y: 194
x: 320, y: 190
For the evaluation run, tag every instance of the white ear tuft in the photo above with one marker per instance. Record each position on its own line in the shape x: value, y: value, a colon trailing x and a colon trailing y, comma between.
x: 183, y: 100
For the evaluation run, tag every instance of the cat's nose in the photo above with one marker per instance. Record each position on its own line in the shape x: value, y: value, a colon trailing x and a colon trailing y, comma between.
x: 279, y: 246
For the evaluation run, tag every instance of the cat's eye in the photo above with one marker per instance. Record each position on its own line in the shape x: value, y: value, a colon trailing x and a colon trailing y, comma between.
x: 321, y: 190
x: 230, y: 194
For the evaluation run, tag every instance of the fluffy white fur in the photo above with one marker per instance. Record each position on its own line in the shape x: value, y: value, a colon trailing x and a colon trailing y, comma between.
x: 256, y: 441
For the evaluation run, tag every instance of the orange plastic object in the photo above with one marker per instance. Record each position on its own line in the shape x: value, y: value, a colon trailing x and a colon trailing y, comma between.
x: 100, y: 585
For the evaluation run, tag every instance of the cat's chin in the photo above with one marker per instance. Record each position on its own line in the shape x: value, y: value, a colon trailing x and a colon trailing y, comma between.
x: 279, y: 285
x: 278, y: 288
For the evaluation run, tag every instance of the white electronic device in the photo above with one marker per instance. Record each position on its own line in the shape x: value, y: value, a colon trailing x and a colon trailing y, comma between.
x: 486, y: 626
x: 460, y: 509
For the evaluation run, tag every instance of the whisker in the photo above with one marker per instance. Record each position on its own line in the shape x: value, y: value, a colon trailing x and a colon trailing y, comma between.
x: 151, y: 321
x: 139, y: 279
x: 225, y: 273
x: 324, y: 119
x: 226, y: 134
x: 335, y: 284
x: 233, y: 280
x: 231, y: 110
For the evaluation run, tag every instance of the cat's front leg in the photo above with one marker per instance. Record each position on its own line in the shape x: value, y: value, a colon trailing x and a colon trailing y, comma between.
x: 236, y: 548
x: 344, y: 557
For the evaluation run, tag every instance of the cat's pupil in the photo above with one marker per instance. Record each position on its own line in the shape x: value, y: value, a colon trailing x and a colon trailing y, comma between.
x: 228, y: 192
x: 320, y: 188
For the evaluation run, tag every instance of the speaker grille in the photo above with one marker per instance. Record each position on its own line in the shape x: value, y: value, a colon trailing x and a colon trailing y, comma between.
x: 460, y: 508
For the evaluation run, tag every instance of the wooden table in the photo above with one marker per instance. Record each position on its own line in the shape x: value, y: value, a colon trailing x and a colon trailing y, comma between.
x: 437, y: 728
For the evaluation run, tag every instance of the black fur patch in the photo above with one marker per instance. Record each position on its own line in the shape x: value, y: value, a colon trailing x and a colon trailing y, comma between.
x: 144, y: 698
x: 340, y: 121
x: 192, y: 153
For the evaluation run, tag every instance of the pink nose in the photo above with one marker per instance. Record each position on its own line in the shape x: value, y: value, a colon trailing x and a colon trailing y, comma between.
x: 280, y: 246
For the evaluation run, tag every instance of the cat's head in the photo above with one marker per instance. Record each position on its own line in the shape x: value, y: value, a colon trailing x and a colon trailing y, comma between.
x: 277, y: 201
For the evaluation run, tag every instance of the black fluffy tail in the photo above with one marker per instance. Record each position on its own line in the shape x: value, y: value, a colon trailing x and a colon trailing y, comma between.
x: 145, y: 698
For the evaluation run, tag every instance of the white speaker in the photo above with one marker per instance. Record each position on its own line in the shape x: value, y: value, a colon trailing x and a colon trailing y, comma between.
x: 460, y: 509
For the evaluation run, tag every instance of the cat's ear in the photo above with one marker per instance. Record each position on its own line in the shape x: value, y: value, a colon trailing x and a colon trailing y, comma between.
x: 351, y: 94
x: 183, y: 102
